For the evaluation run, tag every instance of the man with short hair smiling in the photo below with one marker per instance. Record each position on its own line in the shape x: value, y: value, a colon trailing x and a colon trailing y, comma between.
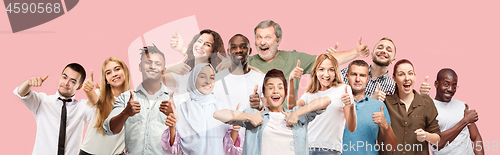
x: 379, y: 84
x: 60, y: 118
x: 235, y: 84
x: 372, y: 114
x: 141, y: 112
x: 457, y: 122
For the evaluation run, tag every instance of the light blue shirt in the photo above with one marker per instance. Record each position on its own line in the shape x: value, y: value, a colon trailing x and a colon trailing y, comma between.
x: 363, y: 140
x: 143, y: 131
x: 253, y: 135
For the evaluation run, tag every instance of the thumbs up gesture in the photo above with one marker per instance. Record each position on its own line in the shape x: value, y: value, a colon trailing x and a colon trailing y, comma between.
x: 255, y: 99
x: 225, y: 63
x: 362, y: 49
x: 378, y: 94
x: 333, y: 49
x: 425, y: 88
x: 180, y: 67
x: 37, y: 81
x: 168, y: 107
x: 176, y: 42
x: 297, y: 71
x: 379, y: 118
x: 291, y: 118
x: 89, y: 84
x: 133, y: 107
x: 470, y: 116
x: 256, y: 119
x: 347, y: 98
x: 172, y: 117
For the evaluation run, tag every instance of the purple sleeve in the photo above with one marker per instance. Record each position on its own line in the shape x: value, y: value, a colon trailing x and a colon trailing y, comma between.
x: 231, y: 148
x: 165, y: 143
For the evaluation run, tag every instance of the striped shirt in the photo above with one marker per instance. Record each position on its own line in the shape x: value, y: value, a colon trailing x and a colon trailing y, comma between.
x: 386, y: 83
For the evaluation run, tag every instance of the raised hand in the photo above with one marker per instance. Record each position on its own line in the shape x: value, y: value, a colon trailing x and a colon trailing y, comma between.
x: 346, y: 98
x: 225, y: 63
x: 37, y: 81
x: 180, y: 67
x: 421, y: 135
x: 362, y: 49
x: 89, y: 84
x: 333, y: 49
x: 172, y: 117
x: 176, y: 42
x: 297, y: 71
x: 291, y: 118
x: 168, y: 107
x: 256, y: 119
x: 133, y: 107
x: 425, y: 88
x: 255, y: 99
x: 379, y: 118
x: 379, y: 95
x: 470, y: 116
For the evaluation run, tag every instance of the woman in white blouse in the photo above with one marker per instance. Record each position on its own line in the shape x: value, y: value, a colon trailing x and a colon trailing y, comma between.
x: 115, y: 79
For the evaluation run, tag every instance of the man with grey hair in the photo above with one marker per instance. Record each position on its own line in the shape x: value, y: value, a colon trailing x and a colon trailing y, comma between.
x: 267, y: 39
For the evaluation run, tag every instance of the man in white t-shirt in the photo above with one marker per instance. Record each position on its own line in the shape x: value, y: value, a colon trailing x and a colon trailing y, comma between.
x: 60, y: 118
x: 235, y: 84
x: 457, y: 122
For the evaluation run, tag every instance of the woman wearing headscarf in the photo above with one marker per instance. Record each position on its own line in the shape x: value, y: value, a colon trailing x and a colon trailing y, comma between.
x: 192, y: 123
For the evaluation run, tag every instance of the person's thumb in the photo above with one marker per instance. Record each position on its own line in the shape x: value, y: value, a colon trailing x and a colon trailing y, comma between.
x: 45, y: 77
x: 298, y: 63
x: 131, y: 96
x: 426, y: 78
x: 255, y: 89
x: 382, y: 109
x: 238, y: 106
x: 378, y: 87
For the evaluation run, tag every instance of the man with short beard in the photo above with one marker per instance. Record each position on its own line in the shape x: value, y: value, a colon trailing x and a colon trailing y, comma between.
x: 380, y: 83
x: 267, y: 39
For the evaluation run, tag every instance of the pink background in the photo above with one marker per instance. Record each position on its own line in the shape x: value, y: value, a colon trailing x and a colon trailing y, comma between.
x: 432, y: 34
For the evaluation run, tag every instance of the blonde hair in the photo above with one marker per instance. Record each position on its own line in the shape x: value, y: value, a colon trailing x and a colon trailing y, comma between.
x: 106, y: 99
x: 314, y: 84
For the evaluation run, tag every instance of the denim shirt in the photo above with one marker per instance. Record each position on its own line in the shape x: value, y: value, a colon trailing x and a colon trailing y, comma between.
x: 143, y: 131
x: 253, y: 135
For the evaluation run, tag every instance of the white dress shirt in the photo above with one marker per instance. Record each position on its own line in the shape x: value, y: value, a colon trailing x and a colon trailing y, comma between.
x: 47, y: 112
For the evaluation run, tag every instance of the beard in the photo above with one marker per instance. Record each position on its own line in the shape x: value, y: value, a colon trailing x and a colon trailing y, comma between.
x: 380, y: 63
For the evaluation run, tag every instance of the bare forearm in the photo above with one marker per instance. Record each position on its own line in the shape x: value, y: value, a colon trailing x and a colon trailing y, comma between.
x: 292, y: 100
x: 450, y: 134
x: 24, y: 88
x: 234, y: 136
x: 92, y: 97
x: 116, y: 123
x: 476, y: 138
x: 172, y: 135
x: 317, y: 104
x: 351, y: 118
x: 389, y: 136
x: 345, y: 56
x: 226, y: 115
x: 432, y: 138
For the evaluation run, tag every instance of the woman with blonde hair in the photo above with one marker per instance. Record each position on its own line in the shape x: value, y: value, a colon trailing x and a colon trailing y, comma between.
x: 326, y: 131
x: 115, y: 79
